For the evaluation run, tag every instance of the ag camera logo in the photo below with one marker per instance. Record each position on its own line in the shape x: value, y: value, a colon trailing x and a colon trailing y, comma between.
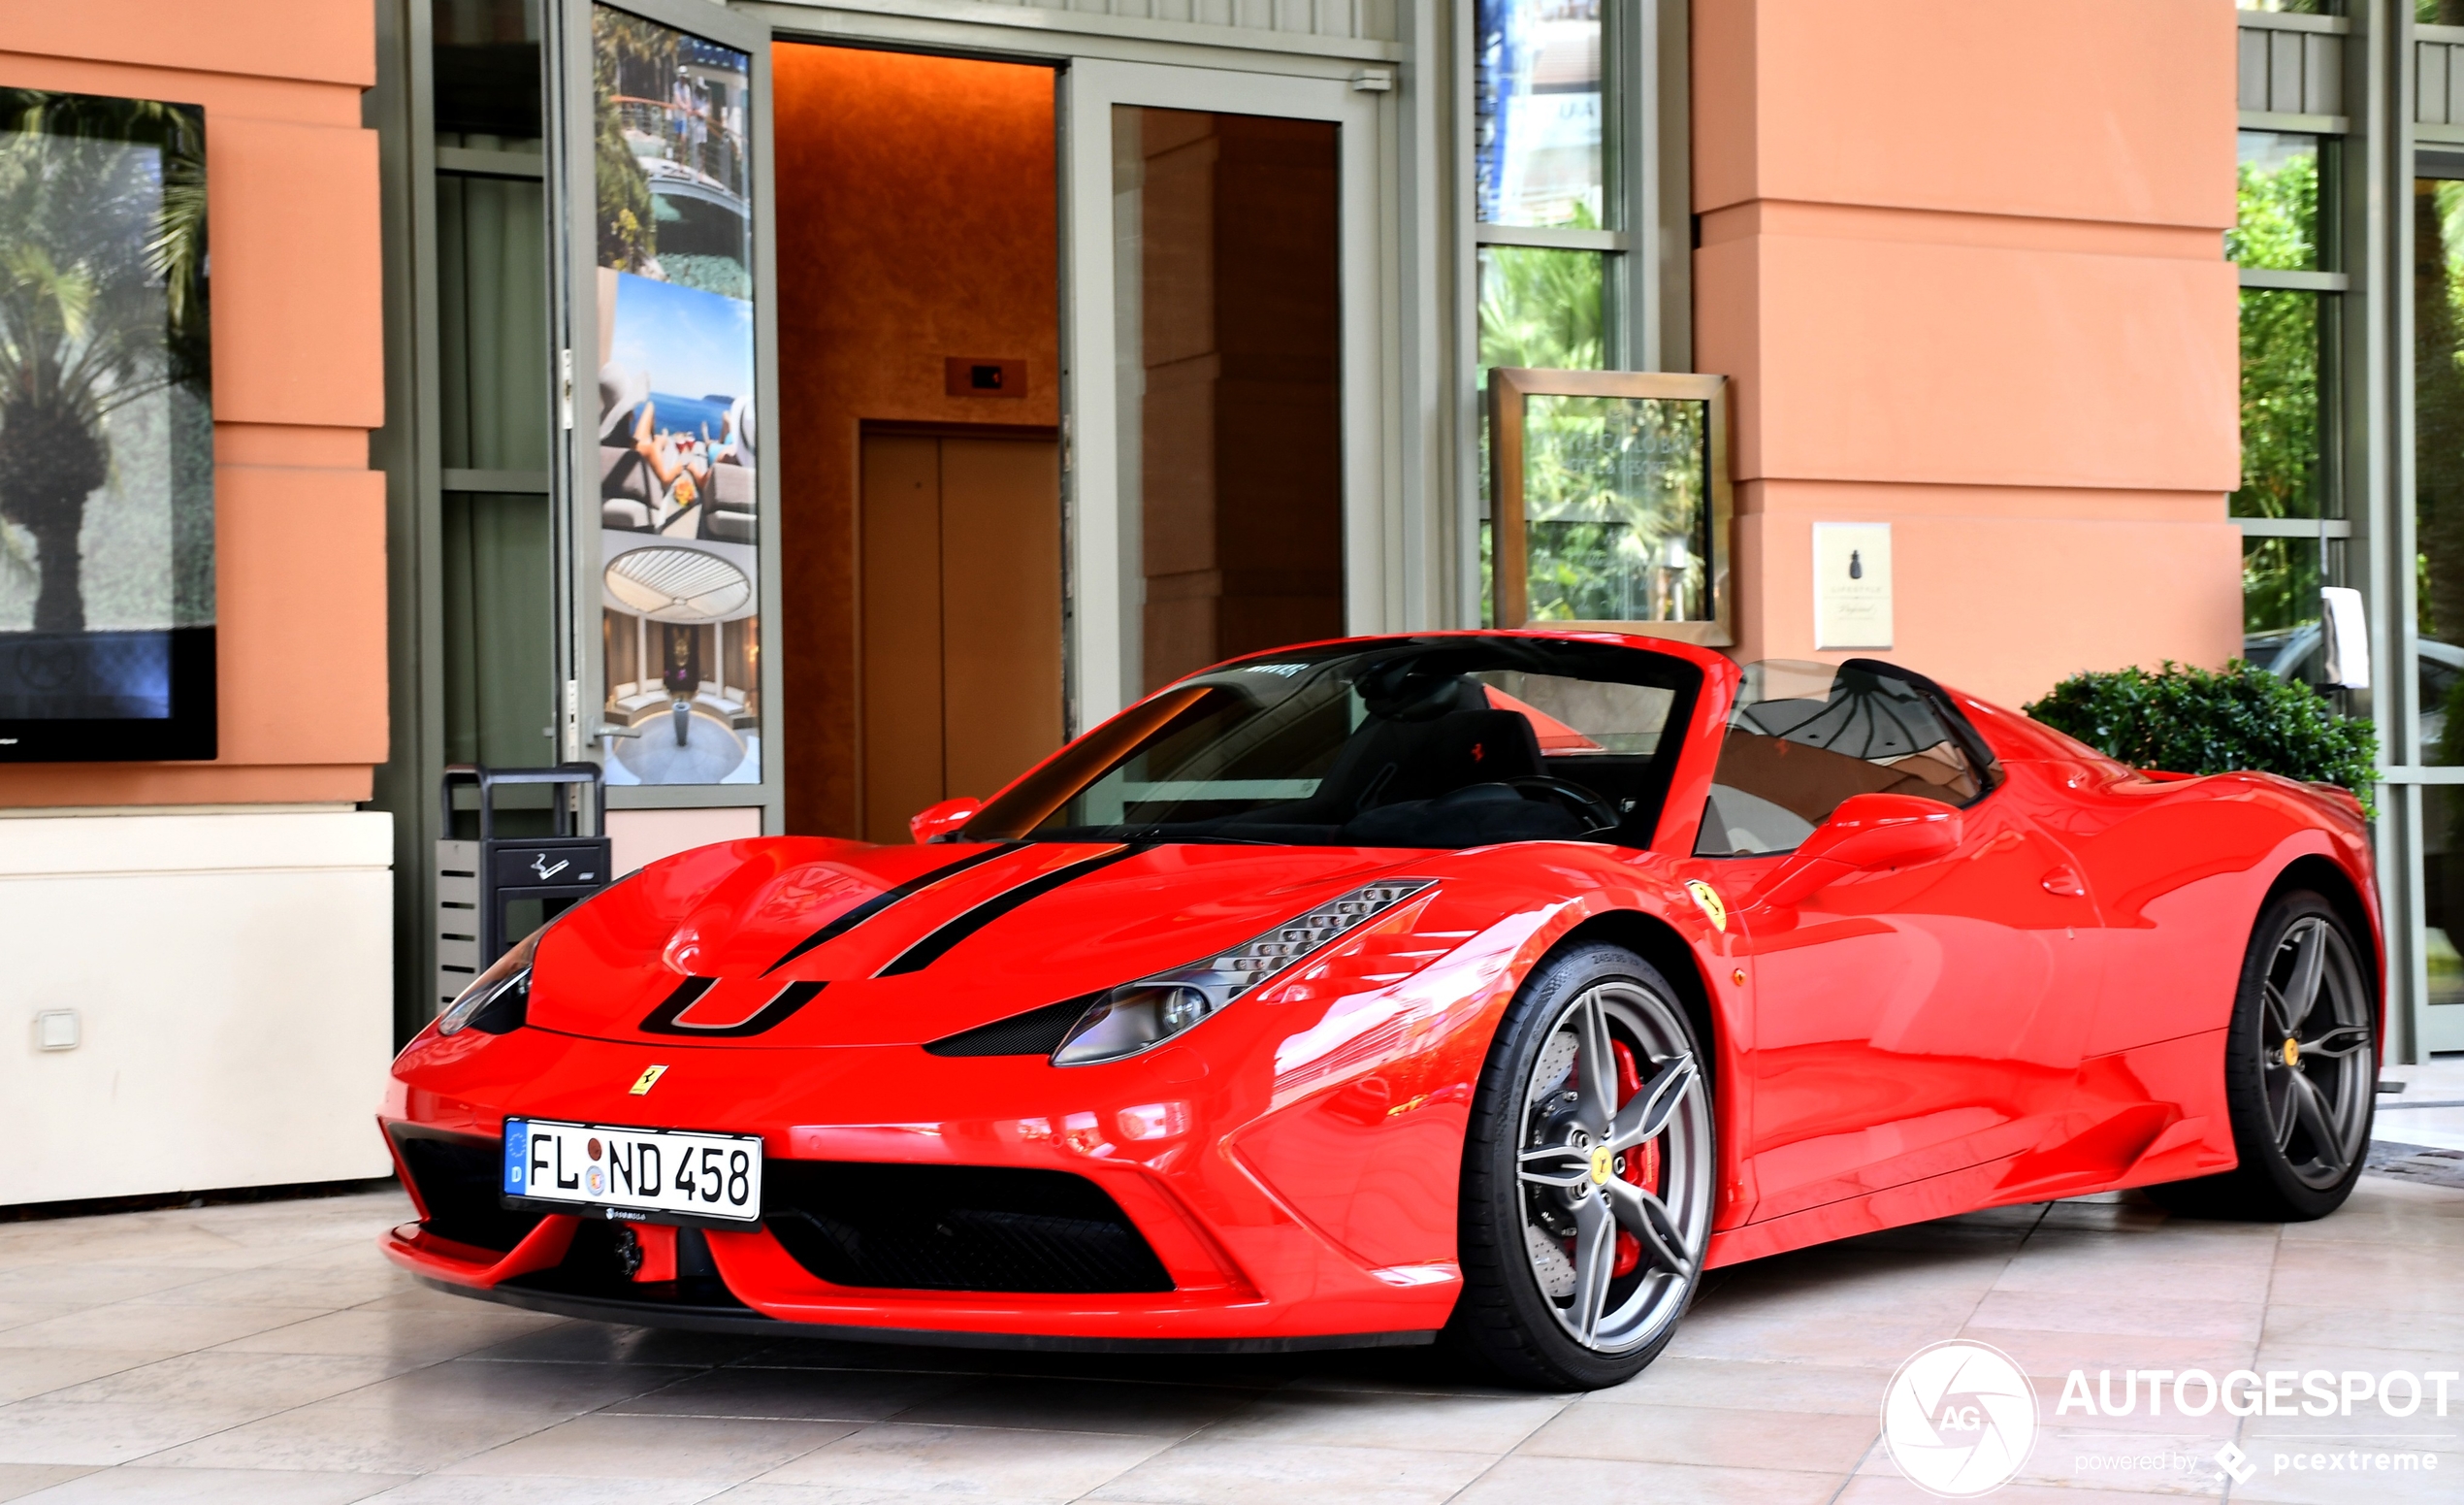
x: 1959, y: 1419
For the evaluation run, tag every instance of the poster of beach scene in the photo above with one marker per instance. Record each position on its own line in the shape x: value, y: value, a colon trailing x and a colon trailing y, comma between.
x: 678, y: 432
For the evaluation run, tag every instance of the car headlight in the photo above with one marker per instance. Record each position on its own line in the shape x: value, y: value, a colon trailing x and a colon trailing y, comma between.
x: 498, y: 999
x: 1141, y: 1015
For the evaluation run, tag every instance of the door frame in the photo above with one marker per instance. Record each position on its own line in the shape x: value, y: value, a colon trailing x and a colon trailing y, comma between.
x: 1102, y: 606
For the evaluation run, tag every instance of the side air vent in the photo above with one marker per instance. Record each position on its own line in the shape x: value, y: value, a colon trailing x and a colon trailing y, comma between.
x: 956, y: 1227
x: 457, y: 1181
x: 1035, y: 1032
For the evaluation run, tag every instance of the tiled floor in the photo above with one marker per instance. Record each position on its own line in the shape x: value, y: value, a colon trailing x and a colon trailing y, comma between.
x: 265, y: 1353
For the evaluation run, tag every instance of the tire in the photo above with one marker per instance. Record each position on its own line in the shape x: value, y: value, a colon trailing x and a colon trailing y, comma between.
x: 1549, y: 1212
x: 2301, y: 1073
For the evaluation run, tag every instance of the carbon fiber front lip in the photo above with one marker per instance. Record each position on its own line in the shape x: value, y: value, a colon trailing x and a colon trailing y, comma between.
x: 711, y: 1319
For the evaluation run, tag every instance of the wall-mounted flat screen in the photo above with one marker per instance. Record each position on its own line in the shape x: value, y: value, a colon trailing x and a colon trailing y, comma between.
x: 106, y: 546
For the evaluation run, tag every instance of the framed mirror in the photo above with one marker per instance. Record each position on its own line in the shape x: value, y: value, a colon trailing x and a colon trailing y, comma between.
x: 1610, y: 501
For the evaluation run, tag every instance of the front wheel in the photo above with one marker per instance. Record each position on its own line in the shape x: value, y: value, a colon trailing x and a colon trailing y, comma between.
x: 1587, y: 1176
x: 2301, y: 1073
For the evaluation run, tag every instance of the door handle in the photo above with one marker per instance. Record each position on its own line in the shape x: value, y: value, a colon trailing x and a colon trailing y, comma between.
x: 2063, y: 881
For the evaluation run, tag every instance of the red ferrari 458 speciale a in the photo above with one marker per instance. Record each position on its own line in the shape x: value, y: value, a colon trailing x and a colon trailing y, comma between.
x: 1488, y: 986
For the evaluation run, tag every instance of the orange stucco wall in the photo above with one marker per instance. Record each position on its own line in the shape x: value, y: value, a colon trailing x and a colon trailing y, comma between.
x: 1964, y: 263
x: 297, y: 378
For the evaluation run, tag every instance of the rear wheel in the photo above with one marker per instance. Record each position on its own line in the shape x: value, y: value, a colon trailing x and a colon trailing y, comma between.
x: 2301, y: 1073
x: 1587, y: 1176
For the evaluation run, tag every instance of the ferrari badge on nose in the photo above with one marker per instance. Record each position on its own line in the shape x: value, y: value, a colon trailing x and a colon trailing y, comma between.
x: 648, y: 1080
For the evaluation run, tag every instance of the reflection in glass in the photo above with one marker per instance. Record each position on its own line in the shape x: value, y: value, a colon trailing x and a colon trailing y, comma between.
x: 1541, y: 308
x: 2282, y: 463
x: 1536, y: 103
x: 1617, y: 522
x: 1228, y: 317
x: 2442, y: 890
x: 2280, y: 594
x: 2277, y: 198
x: 2438, y: 456
x: 677, y: 429
x: 485, y: 65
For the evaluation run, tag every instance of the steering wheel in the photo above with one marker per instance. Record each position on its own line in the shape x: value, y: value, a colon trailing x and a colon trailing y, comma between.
x: 1598, y: 813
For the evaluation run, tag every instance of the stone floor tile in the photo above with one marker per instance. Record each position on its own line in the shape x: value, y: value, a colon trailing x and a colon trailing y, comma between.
x: 426, y: 1336
x: 969, y: 1460
x: 330, y: 1288
x: 1522, y: 1479
x: 532, y: 1489
x: 2047, y: 1351
x: 139, y: 1484
x: 2179, y: 1313
x: 461, y: 1386
x: 353, y: 1440
x: 20, y: 1480
x: 263, y: 1381
x: 725, y: 1449
x: 1709, y: 1436
x: 1369, y: 1418
x: 1775, y: 1337
x: 602, y: 1343
x: 127, y: 1324
x: 788, y: 1394
x: 28, y: 1372
x: 2434, y: 1332
x: 87, y: 1285
x: 104, y: 1432
x: 1083, y: 1406
x: 1880, y: 1489
x: 2101, y: 1455
x: 1792, y: 1389
x: 1244, y: 1473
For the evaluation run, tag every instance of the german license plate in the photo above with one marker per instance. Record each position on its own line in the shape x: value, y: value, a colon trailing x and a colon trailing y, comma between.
x: 634, y: 1170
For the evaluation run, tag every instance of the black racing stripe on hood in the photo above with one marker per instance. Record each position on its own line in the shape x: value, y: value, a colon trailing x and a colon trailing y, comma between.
x: 884, y: 899
x: 926, y: 952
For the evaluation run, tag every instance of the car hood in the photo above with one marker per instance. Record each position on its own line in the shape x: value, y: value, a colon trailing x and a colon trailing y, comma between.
x: 794, y: 941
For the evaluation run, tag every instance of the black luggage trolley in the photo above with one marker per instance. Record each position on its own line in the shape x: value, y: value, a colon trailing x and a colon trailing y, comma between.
x: 478, y: 882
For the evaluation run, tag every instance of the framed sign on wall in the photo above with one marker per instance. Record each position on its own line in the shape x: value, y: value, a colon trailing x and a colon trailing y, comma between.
x: 1609, y: 495
x: 107, y: 560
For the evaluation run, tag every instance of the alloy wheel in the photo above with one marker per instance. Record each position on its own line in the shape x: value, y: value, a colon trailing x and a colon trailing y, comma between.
x: 1615, y: 1168
x: 2315, y: 1065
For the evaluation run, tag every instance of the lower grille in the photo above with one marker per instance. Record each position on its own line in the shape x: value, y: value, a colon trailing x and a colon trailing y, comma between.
x: 956, y: 1227
x: 457, y: 1181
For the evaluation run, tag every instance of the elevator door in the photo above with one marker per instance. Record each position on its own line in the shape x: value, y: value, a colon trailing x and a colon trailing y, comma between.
x: 961, y: 622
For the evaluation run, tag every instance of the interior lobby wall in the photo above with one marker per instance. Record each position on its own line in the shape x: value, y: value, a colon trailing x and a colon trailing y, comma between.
x: 2013, y: 339
x: 917, y: 222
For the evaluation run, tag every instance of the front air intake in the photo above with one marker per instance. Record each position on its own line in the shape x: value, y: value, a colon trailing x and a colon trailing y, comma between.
x: 458, y: 1180
x: 956, y: 1227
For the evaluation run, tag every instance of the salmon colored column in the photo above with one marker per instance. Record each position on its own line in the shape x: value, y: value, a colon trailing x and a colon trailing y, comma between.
x: 1964, y: 263
x: 299, y: 379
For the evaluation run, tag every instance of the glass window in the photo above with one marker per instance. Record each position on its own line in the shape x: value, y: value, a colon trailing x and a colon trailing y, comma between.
x: 2438, y: 458
x: 485, y: 74
x: 1537, y: 104
x: 1617, y: 517
x: 2277, y: 194
x: 2282, y: 460
x: 678, y: 432
x: 1804, y: 737
x: 1410, y: 742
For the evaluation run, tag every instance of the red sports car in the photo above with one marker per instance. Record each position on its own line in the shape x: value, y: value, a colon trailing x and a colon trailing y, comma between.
x: 1484, y: 985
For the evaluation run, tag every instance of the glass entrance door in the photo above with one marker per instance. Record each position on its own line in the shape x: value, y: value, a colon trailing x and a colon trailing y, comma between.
x: 1228, y: 470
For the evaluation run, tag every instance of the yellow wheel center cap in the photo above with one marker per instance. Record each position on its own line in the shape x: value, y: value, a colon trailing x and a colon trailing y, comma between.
x: 1601, y: 1163
x: 2292, y: 1051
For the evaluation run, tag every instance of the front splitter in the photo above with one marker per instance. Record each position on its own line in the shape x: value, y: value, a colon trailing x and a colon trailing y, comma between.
x: 740, y: 1319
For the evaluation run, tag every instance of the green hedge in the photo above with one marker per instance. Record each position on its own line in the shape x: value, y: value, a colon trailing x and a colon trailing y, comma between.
x: 2203, y: 721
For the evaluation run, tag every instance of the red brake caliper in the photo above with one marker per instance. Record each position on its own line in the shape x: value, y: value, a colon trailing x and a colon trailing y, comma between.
x: 1641, y: 1165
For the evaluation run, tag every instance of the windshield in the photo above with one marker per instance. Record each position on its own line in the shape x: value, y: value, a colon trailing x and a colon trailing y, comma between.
x: 1407, y: 742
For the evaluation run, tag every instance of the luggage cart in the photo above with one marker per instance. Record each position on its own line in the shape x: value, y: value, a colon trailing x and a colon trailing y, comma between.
x: 478, y: 882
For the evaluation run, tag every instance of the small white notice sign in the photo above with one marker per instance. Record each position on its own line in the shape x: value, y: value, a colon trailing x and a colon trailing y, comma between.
x: 1852, y: 585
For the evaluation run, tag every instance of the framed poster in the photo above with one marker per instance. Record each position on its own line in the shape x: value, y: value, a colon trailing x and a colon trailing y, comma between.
x: 107, y: 564
x: 1852, y: 585
x: 1611, y: 497
x: 669, y: 487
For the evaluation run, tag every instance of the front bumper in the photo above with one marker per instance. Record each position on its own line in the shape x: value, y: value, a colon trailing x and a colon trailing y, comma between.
x: 1251, y: 1265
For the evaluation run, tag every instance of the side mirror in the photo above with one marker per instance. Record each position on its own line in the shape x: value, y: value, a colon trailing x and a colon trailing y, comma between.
x: 936, y: 821
x: 1866, y: 832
